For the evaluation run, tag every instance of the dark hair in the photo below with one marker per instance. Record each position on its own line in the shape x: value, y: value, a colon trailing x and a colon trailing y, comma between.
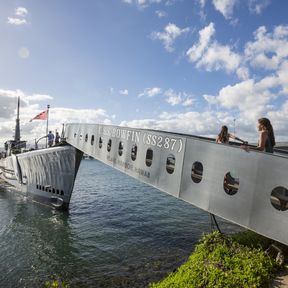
x: 223, y: 135
x: 267, y: 124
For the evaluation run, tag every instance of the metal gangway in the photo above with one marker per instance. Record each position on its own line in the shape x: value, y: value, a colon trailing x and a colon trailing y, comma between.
x: 247, y: 188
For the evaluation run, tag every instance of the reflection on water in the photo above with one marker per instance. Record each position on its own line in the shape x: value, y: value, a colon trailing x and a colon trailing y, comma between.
x: 117, y: 233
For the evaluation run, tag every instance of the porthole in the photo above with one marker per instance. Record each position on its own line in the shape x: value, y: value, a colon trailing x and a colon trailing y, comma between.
x: 279, y: 198
x: 149, y: 157
x: 134, y: 152
x: 75, y: 134
x: 231, y: 183
x: 86, y: 137
x: 109, y: 144
x: 120, y: 148
x: 92, y: 140
x: 197, y: 172
x: 100, y: 142
x: 170, y: 163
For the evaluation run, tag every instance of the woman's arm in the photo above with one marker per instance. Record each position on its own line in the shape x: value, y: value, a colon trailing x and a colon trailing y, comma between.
x: 236, y: 138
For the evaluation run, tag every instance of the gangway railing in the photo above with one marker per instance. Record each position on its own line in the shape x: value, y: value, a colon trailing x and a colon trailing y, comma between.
x: 247, y: 188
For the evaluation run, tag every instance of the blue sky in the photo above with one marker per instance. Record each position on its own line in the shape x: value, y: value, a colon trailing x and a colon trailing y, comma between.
x: 177, y: 65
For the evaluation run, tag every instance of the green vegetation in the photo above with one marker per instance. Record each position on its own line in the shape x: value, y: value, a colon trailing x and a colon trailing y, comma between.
x: 55, y: 284
x: 221, y: 261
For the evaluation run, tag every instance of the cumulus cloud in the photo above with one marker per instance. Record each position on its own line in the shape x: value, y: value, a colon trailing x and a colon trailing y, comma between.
x: 19, y: 17
x: 123, y: 92
x: 211, y: 55
x: 225, y: 7
x: 197, y: 50
x: 268, y: 50
x: 161, y: 14
x: 196, y: 123
x: 21, y: 12
x: 150, y: 92
x: 252, y: 99
x: 171, y: 32
x: 178, y: 98
x: 16, y: 21
x: 257, y: 6
x: 38, y: 97
x: 142, y: 3
x: 28, y: 109
x: 171, y: 97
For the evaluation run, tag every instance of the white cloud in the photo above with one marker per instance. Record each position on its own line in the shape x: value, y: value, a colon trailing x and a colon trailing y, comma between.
x: 19, y: 19
x: 161, y: 14
x: 28, y: 109
x: 257, y: 6
x: 38, y: 97
x: 123, y: 92
x: 268, y: 50
x: 171, y: 32
x: 197, y: 50
x: 225, y: 7
x: 202, y: 3
x: 150, y: 92
x: 171, y: 97
x: 178, y: 98
x: 16, y: 21
x: 251, y: 98
x: 218, y: 57
x: 21, y: 12
x: 142, y: 3
x: 196, y: 123
x: 212, y: 55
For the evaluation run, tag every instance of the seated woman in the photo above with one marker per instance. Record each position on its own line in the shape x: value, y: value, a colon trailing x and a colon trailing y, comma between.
x: 223, y: 136
x: 266, y: 141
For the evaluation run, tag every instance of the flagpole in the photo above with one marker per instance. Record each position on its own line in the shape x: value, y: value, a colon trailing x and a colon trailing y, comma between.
x: 48, y: 106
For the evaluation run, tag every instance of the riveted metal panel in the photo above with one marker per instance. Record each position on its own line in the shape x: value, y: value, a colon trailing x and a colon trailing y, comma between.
x: 162, y: 144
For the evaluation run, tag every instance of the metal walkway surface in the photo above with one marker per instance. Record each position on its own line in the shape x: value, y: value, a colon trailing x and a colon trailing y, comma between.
x: 247, y: 188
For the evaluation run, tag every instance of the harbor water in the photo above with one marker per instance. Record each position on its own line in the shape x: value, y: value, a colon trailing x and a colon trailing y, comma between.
x: 118, y: 232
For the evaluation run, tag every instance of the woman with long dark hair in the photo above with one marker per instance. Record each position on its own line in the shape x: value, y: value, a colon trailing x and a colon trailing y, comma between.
x: 266, y: 141
x: 266, y: 135
x: 223, y: 136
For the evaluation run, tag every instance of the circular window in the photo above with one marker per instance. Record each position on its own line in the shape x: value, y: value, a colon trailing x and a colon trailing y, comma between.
x: 100, y: 142
x: 149, y: 157
x: 197, y: 172
x: 120, y: 148
x: 86, y: 137
x: 109, y: 144
x: 134, y: 152
x: 279, y: 198
x: 231, y: 183
x: 92, y: 140
x: 170, y: 163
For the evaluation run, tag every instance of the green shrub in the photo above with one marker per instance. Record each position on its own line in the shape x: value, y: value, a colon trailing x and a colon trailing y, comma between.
x: 55, y: 284
x: 218, y: 262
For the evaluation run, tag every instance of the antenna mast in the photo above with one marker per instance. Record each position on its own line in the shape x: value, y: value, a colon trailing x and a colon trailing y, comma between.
x: 17, y: 127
